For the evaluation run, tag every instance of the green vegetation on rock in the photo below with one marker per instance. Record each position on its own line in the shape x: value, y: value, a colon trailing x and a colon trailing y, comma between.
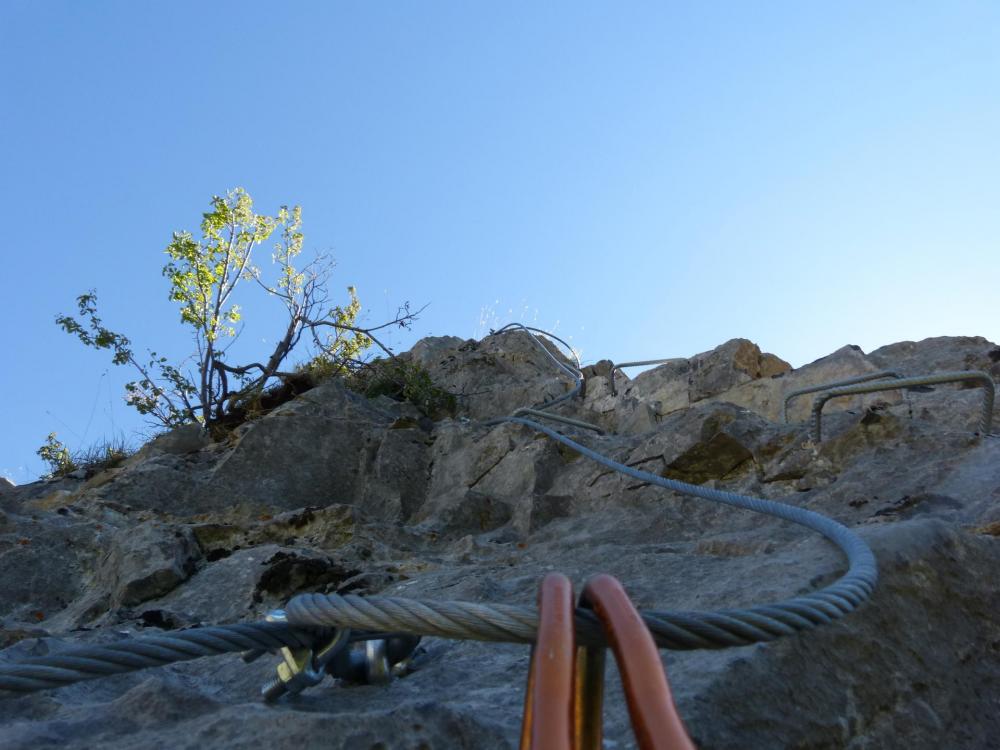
x: 203, y: 274
x: 106, y: 454
x: 402, y: 380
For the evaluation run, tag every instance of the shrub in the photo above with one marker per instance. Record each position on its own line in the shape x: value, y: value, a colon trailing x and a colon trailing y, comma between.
x: 403, y: 381
x: 56, y: 455
x: 95, y: 458
x: 204, y: 274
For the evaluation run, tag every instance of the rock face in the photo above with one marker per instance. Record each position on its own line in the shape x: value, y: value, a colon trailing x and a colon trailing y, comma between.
x: 333, y: 492
x: 682, y: 382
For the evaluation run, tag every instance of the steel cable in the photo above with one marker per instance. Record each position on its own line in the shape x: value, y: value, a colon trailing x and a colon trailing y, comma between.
x: 90, y: 662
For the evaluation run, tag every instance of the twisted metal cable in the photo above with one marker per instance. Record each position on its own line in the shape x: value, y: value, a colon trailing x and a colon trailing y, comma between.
x: 983, y: 380
x: 90, y: 662
x: 531, y: 331
x: 880, y: 375
x: 576, y: 374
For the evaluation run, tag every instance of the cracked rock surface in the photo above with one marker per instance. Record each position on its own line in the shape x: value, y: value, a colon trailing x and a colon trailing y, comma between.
x: 333, y: 492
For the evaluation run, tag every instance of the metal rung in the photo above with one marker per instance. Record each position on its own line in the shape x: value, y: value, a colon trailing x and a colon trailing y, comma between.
x: 880, y: 375
x: 549, y: 699
x: 558, y: 418
x: 975, y: 376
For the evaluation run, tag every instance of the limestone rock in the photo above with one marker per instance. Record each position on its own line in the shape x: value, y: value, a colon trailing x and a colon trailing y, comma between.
x: 667, y: 385
x: 766, y: 397
x: 434, y: 351
x: 147, y: 561
x: 495, y: 376
x: 396, y: 484
x: 328, y: 434
x: 939, y: 354
x: 334, y: 492
x: 732, y: 363
x: 45, y: 558
x: 186, y: 439
x: 682, y: 382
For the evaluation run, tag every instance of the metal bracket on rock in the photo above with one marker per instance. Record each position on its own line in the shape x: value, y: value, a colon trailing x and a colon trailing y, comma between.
x: 300, y: 668
x: 373, y: 661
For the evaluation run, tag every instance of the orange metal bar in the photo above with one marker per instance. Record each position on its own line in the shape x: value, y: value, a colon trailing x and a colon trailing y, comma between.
x: 549, y: 700
x: 655, y: 720
x: 588, y: 703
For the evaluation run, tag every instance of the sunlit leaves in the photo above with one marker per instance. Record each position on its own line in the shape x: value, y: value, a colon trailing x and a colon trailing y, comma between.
x: 203, y: 273
x: 57, y: 456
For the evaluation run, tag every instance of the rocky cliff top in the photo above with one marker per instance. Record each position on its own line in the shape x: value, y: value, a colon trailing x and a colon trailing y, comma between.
x: 334, y: 492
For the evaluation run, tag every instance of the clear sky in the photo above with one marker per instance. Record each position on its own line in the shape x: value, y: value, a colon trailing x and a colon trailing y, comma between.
x: 645, y: 179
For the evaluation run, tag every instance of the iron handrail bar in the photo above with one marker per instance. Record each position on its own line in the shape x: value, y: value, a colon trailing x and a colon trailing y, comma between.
x: 880, y: 375
x: 637, y: 363
x: 976, y: 376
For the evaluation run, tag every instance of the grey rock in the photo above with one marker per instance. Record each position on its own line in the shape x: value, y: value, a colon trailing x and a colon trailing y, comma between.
x: 434, y: 352
x: 326, y: 528
x: 147, y: 561
x: 186, y: 439
x: 495, y: 376
x: 396, y: 485
x: 334, y: 492
x: 329, y: 434
x: 766, y: 396
x: 939, y: 354
x: 682, y: 382
x: 734, y: 362
x: 45, y: 559
x: 161, y: 482
x: 460, y: 513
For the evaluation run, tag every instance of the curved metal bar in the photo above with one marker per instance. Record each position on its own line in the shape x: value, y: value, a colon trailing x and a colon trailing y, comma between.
x: 642, y: 363
x: 638, y: 363
x: 529, y: 329
x: 655, y: 720
x: 880, y: 375
x: 576, y: 374
x: 975, y: 376
x: 558, y: 418
x: 549, y: 699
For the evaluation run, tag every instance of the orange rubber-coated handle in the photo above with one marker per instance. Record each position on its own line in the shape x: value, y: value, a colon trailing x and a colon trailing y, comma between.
x: 549, y: 702
x: 655, y: 720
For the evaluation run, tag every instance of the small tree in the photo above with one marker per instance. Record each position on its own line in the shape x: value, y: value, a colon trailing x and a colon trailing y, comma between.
x: 57, y: 456
x: 203, y: 276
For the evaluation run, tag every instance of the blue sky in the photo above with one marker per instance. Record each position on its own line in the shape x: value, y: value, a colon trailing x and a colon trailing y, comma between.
x: 645, y: 179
